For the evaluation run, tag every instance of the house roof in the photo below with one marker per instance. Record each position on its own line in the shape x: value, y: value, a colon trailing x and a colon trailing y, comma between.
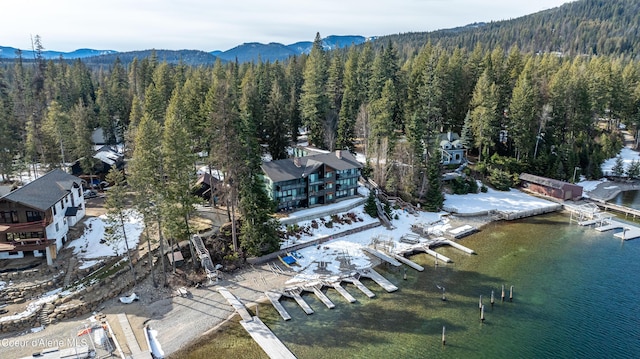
x: 286, y: 170
x: 548, y: 182
x: 45, y: 191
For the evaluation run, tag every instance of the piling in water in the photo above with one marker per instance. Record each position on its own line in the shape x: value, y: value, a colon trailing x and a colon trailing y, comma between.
x: 444, y: 340
x: 482, y: 314
x: 480, y: 302
x: 511, y: 294
x: 492, y: 298
x: 503, y: 292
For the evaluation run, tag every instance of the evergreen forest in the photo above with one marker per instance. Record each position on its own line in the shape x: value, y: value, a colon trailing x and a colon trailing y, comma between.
x: 517, y: 109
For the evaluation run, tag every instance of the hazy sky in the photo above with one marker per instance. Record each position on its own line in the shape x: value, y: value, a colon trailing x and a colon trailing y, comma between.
x: 124, y: 25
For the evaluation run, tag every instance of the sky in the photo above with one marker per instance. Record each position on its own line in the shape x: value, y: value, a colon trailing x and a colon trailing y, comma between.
x: 208, y: 25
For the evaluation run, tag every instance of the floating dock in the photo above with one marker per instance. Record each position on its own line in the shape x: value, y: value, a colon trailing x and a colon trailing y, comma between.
x: 382, y: 256
x: 629, y: 231
x: 462, y: 231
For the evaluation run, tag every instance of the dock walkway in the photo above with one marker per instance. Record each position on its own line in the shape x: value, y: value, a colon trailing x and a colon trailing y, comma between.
x: 268, y: 341
x: 235, y: 303
x: 337, y: 286
x: 262, y: 335
x: 274, y: 298
x: 378, y: 278
x: 409, y: 262
x: 355, y: 281
x: 382, y: 256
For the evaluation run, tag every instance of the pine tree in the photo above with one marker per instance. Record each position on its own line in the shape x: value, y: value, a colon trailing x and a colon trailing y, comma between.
x: 314, y: 103
x: 434, y: 198
x: 116, y: 216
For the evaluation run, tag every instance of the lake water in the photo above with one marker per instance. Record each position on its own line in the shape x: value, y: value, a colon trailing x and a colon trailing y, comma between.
x: 576, y: 295
x: 628, y: 198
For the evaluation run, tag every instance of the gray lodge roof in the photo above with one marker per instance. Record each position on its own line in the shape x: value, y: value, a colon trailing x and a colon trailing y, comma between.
x: 286, y: 170
x: 45, y: 191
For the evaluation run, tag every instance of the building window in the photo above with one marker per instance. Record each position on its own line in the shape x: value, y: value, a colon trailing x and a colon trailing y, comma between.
x: 9, y: 217
x: 57, y: 227
x: 33, y: 216
x: 54, y: 210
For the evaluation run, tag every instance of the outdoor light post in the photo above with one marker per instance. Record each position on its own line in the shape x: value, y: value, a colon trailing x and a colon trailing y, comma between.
x: 574, y: 173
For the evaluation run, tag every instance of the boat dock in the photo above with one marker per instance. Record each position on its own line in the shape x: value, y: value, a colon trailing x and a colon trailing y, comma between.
x: 378, y: 278
x: 235, y: 303
x: 382, y: 256
x: 408, y: 262
x: 338, y: 287
x: 629, y: 231
x: 274, y: 298
x: 462, y: 231
x: 266, y: 339
x: 460, y: 247
x: 360, y: 286
x: 295, y: 293
x: 316, y: 289
x: 262, y: 335
x: 437, y: 255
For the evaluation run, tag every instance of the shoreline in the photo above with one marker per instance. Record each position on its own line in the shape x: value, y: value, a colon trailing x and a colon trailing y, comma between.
x: 182, y: 321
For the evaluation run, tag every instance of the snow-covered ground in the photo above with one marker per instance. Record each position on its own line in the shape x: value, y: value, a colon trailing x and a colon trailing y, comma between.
x: 91, y: 246
x: 628, y: 156
x: 349, y: 247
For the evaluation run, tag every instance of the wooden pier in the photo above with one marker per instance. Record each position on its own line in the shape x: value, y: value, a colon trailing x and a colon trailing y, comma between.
x: 268, y: 341
x: 408, y: 262
x: 382, y: 256
x: 460, y: 247
x: 274, y: 298
x: 622, y: 209
x: 360, y: 286
x: 378, y: 278
x: 338, y: 287
x: 436, y: 254
x: 262, y: 335
x: 295, y: 294
x: 235, y: 303
x: 316, y: 289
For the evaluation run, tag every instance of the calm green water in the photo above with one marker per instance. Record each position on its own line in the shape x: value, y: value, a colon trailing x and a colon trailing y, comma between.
x: 576, y: 295
x: 628, y: 198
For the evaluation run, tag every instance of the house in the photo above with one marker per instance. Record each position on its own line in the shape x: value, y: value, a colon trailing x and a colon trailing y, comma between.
x: 452, y: 151
x: 35, y: 219
x: 551, y: 187
x: 207, y: 185
x: 308, y: 181
x: 106, y: 158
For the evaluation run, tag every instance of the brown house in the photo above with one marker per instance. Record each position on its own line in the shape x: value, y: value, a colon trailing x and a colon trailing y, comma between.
x: 551, y: 187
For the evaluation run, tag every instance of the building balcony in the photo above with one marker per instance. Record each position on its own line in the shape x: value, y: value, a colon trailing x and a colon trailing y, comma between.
x: 36, y: 226
x: 29, y: 244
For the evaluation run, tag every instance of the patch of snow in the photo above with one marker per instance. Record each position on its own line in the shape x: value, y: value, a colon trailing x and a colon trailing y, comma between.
x: 37, y: 329
x: 156, y: 349
x: 89, y: 263
x: 628, y: 155
x: 34, y: 305
x: 513, y: 200
x: 88, y: 246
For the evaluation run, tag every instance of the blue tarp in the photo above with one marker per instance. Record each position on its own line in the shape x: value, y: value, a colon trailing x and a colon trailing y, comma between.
x: 289, y: 260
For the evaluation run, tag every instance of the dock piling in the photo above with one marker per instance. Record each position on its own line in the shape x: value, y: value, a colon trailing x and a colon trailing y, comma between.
x: 511, y: 294
x: 492, y: 298
x: 503, y: 292
x: 482, y: 313
x: 480, y: 302
x: 444, y: 340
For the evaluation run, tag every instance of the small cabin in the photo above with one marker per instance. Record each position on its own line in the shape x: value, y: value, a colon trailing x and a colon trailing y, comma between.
x: 550, y: 187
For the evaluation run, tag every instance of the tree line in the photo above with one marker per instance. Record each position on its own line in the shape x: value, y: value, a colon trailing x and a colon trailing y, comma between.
x: 515, y: 111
